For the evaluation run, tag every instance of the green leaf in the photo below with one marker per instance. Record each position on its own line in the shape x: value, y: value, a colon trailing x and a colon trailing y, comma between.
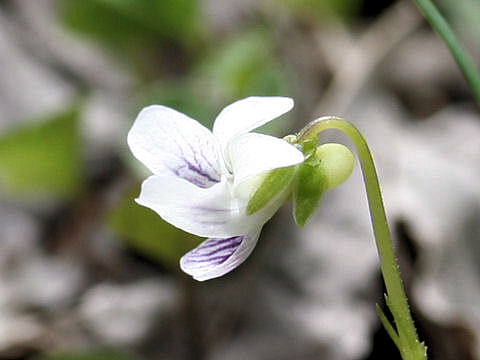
x: 43, y: 159
x: 308, y: 188
x: 388, y: 326
x: 146, y: 232
x: 274, y: 182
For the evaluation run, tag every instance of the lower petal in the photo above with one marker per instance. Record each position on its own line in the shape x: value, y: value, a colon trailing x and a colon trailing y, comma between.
x: 206, y: 212
x: 217, y: 256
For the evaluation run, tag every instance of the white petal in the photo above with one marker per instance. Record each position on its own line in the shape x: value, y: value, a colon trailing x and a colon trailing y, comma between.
x: 216, y: 257
x: 167, y: 141
x: 248, y: 114
x: 254, y: 154
x: 208, y: 212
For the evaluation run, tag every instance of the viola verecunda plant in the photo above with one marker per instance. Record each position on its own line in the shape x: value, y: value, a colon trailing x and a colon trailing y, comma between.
x: 226, y: 183
x: 203, y: 180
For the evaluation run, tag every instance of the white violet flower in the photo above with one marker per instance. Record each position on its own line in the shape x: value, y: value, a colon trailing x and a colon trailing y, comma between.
x: 202, y: 180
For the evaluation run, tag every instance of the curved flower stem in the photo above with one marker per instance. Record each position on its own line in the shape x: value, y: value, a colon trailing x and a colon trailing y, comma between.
x: 464, y: 62
x: 405, y: 336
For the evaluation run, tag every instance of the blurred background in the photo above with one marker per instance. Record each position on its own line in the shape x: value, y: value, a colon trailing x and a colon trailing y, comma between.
x: 85, y: 273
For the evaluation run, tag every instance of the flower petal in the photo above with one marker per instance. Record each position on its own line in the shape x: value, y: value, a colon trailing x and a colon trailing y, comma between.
x: 167, y: 141
x: 248, y: 114
x: 208, y: 212
x: 215, y: 257
x: 253, y: 154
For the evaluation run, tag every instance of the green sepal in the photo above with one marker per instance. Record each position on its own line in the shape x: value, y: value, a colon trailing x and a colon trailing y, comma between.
x: 274, y: 182
x: 308, y: 147
x: 326, y: 167
x: 308, y: 187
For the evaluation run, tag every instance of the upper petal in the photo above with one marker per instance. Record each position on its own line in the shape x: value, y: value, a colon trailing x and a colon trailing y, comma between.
x: 253, y: 154
x: 215, y: 257
x: 247, y: 114
x: 167, y: 141
x: 208, y: 212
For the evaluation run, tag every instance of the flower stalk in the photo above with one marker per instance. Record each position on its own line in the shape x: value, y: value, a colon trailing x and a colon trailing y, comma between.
x: 404, y: 334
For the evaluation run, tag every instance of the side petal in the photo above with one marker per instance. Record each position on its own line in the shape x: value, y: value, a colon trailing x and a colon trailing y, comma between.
x: 248, y: 114
x: 167, y: 141
x: 207, y: 212
x: 216, y: 257
x: 254, y: 154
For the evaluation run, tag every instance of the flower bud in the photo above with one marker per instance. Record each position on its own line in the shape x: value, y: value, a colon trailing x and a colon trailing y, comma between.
x: 329, y: 166
x: 336, y: 161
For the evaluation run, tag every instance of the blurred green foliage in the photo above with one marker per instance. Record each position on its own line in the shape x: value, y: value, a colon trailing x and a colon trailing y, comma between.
x: 242, y: 65
x: 135, y: 29
x: 43, y: 159
x: 246, y: 64
x: 143, y: 230
x: 88, y: 355
x: 183, y: 95
x: 121, y: 21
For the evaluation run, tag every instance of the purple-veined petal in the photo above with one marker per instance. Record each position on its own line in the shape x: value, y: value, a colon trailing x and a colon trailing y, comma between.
x: 206, y: 212
x: 253, y: 154
x: 166, y: 140
x: 217, y: 256
x: 248, y: 114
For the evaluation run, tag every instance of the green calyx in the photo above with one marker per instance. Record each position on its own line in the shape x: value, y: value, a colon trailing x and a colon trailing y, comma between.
x: 308, y: 188
x: 274, y: 182
x: 326, y: 167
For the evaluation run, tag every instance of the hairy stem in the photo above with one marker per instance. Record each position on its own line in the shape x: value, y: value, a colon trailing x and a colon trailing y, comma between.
x: 407, y: 340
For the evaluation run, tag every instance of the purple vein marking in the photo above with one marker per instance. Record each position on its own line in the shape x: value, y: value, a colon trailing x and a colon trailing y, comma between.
x: 207, y: 209
x: 209, y: 243
x: 210, y: 176
x: 222, y: 259
x: 218, y: 251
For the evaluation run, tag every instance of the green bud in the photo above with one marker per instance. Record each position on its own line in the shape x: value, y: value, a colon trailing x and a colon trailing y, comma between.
x: 274, y: 182
x: 329, y: 166
x: 336, y: 161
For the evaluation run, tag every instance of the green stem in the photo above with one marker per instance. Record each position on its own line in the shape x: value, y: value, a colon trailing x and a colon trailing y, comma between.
x: 467, y: 66
x: 407, y: 340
